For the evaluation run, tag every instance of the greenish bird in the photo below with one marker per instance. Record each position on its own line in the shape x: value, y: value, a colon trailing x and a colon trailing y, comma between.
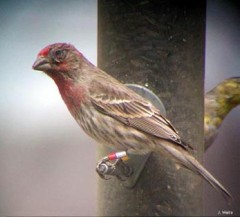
x: 218, y: 103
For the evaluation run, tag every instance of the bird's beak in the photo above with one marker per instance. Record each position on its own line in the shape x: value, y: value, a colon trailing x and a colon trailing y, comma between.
x: 41, y: 64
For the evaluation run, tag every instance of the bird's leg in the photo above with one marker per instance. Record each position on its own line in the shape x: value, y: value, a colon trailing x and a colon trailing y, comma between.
x: 129, y: 172
x: 118, y: 168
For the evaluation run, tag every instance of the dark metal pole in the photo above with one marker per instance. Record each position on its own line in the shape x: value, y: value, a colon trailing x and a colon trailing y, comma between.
x: 158, y: 44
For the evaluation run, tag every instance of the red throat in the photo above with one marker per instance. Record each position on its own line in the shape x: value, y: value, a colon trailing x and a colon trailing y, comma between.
x: 72, y: 95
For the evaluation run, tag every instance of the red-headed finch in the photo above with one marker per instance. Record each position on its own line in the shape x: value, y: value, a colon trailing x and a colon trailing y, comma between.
x: 110, y: 112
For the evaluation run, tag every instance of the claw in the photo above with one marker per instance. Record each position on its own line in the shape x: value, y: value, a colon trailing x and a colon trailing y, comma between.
x: 103, y: 168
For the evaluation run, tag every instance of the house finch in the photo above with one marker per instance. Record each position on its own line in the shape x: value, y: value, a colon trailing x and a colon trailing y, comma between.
x: 111, y: 113
x: 218, y: 103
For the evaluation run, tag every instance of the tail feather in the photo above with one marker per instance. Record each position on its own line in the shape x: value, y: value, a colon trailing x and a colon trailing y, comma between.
x: 185, y: 158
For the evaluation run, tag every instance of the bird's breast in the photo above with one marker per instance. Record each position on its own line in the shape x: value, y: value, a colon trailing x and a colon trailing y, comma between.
x: 73, y: 96
x: 110, y: 132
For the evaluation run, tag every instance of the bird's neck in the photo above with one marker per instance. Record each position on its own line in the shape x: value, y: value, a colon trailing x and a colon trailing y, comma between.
x: 72, y: 93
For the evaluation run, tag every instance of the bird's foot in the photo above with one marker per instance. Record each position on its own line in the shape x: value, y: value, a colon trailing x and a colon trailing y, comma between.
x: 118, y: 168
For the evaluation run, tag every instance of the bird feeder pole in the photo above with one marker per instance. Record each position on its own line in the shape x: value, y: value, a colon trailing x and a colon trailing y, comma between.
x: 159, y: 45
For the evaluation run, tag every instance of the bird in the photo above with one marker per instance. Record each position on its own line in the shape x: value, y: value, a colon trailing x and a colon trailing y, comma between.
x: 111, y: 113
x: 219, y: 101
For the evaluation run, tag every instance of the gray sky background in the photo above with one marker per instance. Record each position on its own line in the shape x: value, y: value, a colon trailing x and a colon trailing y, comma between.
x: 222, y: 61
x: 47, y: 164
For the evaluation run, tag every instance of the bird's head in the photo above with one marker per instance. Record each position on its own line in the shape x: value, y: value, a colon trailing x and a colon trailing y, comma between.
x: 59, y: 60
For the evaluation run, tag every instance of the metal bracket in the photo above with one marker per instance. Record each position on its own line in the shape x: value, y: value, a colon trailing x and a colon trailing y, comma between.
x: 137, y: 163
x: 149, y: 95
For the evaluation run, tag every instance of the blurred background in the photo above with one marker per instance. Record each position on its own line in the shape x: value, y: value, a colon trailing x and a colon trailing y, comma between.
x: 47, y: 163
x: 222, y: 60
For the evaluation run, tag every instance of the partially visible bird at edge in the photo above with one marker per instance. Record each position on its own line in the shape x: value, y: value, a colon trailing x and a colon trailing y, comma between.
x: 218, y: 103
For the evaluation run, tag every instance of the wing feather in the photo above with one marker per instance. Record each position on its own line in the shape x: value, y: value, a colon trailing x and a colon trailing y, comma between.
x: 131, y: 109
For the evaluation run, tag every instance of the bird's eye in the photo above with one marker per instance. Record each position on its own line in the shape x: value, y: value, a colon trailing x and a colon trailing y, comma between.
x: 59, y: 55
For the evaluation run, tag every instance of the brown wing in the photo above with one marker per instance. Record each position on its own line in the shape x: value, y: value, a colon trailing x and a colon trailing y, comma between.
x: 131, y: 109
